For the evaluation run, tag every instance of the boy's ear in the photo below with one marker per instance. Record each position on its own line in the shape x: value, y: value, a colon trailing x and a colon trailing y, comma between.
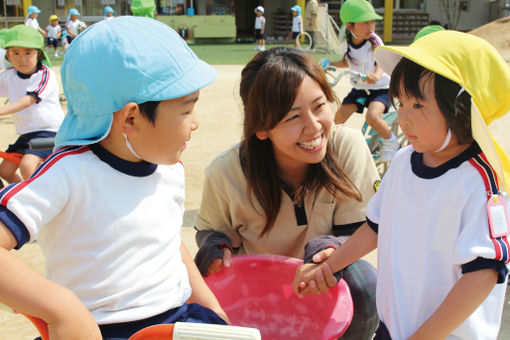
x: 125, y: 119
x: 262, y: 135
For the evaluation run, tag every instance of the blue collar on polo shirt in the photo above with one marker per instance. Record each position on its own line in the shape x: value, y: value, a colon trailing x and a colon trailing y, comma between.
x: 138, y: 169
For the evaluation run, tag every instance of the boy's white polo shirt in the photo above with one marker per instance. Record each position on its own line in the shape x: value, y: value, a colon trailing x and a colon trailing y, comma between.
x: 259, y: 22
x: 109, y: 230
x: 53, y: 31
x: 72, y: 26
x: 226, y: 206
x: 46, y: 114
x: 32, y: 23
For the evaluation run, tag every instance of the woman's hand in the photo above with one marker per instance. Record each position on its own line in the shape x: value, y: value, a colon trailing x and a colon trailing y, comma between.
x: 219, y: 263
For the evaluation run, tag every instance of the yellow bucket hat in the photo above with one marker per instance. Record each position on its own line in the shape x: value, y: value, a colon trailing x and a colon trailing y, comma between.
x: 475, y: 65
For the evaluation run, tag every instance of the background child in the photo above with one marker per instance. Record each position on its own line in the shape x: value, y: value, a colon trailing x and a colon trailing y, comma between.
x: 311, y: 21
x: 73, y: 25
x: 120, y: 255
x: 54, y: 33
x: 143, y: 8
x: 3, y: 63
x: 260, y: 25
x: 439, y: 257
x: 360, y: 41
x: 297, y: 25
x: 32, y: 89
x: 108, y: 13
x: 31, y: 19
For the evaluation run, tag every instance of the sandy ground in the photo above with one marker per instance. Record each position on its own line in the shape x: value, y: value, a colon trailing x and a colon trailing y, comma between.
x: 219, y: 112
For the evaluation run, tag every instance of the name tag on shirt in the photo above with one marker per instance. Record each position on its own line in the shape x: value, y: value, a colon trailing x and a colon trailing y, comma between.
x: 499, y: 223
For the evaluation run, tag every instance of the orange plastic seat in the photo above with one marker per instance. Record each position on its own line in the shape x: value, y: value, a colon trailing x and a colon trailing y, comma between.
x: 11, y: 156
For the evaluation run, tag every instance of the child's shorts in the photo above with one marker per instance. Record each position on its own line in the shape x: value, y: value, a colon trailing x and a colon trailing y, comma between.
x: 186, y: 313
x: 69, y: 39
x: 258, y: 34
x: 52, y: 42
x: 22, y: 146
x: 295, y: 34
x: 361, y: 99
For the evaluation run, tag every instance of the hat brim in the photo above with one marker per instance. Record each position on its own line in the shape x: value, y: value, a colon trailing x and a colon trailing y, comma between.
x: 389, y: 56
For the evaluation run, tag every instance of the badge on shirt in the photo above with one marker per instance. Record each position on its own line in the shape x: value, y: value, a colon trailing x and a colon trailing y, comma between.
x: 499, y: 223
x: 377, y: 183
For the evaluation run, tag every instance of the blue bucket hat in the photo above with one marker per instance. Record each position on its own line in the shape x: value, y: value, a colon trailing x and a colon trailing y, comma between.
x: 74, y: 11
x: 108, y: 9
x: 296, y: 8
x: 126, y: 59
x: 33, y: 9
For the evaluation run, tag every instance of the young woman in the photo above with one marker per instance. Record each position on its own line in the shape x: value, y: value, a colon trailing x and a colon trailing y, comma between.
x: 295, y: 179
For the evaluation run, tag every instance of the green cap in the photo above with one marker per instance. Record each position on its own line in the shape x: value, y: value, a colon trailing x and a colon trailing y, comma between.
x: 358, y: 11
x: 27, y: 37
x: 427, y: 30
x: 143, y: 8
x: 3, y: 33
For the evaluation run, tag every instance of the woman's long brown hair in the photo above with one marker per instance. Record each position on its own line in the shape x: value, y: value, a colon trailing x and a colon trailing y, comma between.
x: 268, y: 89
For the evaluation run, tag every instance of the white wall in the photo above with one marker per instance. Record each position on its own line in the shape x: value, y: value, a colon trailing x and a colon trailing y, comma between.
x: 477, y: 15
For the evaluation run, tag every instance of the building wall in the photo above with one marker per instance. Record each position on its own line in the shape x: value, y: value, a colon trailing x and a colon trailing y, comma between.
x: 478, y: 14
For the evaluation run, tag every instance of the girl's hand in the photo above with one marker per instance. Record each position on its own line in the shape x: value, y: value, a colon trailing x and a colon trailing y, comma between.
x: 219, y: 263
x: 304, y: 274
x: 372, y: 78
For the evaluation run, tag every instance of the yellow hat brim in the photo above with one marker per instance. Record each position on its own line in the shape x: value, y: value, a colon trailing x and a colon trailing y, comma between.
x: 475, y: 65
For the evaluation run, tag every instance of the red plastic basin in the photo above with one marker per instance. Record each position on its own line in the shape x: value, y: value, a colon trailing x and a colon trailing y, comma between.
x: 256, y: 291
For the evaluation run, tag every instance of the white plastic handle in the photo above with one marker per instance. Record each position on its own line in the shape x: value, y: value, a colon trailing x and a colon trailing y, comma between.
x: 202, y: 331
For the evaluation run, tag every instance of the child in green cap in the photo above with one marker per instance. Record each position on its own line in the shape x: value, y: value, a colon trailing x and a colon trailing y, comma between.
x: 358, y: 18
x: 33, y: 92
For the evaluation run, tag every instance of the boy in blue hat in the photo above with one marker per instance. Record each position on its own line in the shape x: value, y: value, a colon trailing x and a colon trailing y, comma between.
x: 74, y: 26
x: 31, y: 19
x: 106, y: 207
x: 108, y: 13
x: 297, y: 25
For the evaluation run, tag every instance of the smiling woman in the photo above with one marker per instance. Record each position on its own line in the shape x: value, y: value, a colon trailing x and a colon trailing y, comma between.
x: 293, y: 182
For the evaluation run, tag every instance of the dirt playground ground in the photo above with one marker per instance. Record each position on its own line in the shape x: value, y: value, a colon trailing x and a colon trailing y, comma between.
x: 219, y: 112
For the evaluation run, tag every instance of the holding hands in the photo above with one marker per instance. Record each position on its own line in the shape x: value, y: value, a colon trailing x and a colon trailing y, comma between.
x: 316, y: 277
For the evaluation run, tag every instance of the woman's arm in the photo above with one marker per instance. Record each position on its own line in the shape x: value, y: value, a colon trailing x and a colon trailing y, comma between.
x: 462, y: 300
x: 200, y: 292
x: 24, y: 290
x: 18, y: 105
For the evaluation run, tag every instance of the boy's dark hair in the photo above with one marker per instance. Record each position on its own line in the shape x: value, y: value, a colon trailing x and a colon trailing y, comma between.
x: 148, y: 110
x: 455, y: 108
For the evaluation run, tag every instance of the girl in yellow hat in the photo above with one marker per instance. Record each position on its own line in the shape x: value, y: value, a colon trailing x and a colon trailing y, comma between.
x: 440, y: 219
x: 54, y: 33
